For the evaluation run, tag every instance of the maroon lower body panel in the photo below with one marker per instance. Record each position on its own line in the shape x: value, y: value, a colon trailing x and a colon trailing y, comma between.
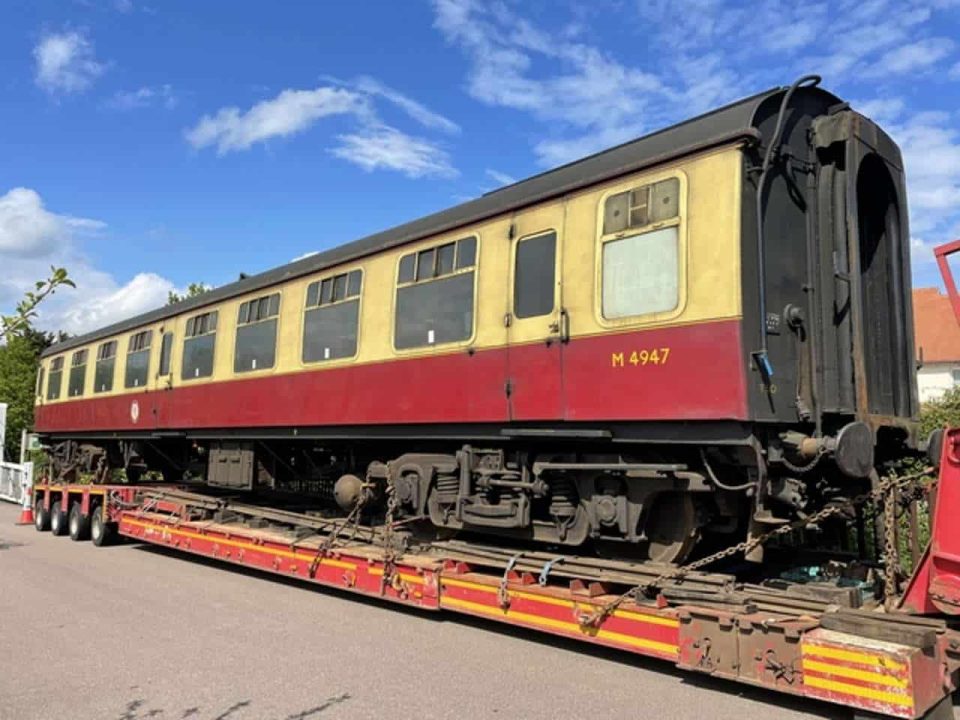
x: 693, y: 372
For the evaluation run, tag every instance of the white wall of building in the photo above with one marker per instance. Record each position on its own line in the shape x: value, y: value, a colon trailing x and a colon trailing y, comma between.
x: 934, y: 379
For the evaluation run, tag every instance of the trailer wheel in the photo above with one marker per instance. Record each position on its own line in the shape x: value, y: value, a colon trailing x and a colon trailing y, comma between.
x: 41, y: 516
x: 58, y: 519
x: 101, y: 532
x: 79, y: 524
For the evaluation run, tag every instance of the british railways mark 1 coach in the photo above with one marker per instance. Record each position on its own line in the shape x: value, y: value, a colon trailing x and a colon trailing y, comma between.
x: 698, y: 334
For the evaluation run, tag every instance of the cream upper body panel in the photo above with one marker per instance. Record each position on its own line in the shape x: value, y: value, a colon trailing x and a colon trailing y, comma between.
x: 708, y: 257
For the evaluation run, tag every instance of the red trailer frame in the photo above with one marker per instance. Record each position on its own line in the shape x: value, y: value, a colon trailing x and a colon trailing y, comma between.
x: 895, y: 664
x: 942, y: 252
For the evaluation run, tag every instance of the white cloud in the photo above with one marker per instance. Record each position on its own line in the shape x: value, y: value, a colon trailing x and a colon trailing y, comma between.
x: 290, y: 112
x: 921, y: 252
x: 419, y: 112
x: 586, y: 93
x: 143, y: 97
x: 32, y: 238
x: 501, y: 178
x: 383, y: 147
x: 101, y: 301
x: 931, y: 150
x: 792, y: 36
x: 65, y: 62
x: 913, y: 57
x: 883, y: 111
x: 372, y: 145
x: 844, y: 39
x: 878, y: 39
x: 305, y: 255
x: 28, y: 229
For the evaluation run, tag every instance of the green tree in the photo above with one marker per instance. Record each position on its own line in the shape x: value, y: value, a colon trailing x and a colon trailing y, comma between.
x: 193, y: 290
x: 21, y: 320
x: 19, y: 359
x: 20, y: 348
x: 944, y: 412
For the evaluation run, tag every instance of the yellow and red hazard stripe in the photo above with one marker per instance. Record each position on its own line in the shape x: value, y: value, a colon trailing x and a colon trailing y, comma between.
x: 648, y: 633
x: 877, y: 679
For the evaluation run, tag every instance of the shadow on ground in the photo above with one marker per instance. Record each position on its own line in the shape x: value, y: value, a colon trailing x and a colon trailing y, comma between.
x: 140, y: 709
x: 776, y: 701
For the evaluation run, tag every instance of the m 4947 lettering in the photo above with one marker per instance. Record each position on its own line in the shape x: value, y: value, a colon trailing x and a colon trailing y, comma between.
x: 639, y: 358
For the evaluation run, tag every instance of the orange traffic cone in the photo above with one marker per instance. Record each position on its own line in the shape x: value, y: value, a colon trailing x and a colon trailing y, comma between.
x: 26, y: 511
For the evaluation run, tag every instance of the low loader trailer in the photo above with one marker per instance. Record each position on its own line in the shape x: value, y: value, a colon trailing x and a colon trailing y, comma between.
x: 817, y: 642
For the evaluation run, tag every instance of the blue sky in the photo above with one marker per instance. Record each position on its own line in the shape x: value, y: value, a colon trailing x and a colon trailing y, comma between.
x: 147, y: 145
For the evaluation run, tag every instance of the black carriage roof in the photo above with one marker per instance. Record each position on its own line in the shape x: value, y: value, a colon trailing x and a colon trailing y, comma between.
x: 715, y: 128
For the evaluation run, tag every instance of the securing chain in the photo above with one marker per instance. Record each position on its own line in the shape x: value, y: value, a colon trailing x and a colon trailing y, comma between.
x: 891, y: 556
x: 804, y: 468
x: 333, y: 539
x: 389, y: 551
x: 886, y: 488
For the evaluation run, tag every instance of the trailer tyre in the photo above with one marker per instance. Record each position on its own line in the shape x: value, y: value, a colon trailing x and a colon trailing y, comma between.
x: 58, y: 518
x: 41, y: 516
x: 101, y: 532
x: 78, y: 523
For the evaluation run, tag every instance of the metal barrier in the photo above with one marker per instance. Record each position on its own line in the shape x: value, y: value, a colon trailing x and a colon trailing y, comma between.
x: 15, y: 481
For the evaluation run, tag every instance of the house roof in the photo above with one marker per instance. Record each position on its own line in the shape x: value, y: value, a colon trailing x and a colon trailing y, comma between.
x: 936, y: 329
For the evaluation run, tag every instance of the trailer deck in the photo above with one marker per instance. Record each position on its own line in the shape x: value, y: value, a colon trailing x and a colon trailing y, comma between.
x: 789, y: 638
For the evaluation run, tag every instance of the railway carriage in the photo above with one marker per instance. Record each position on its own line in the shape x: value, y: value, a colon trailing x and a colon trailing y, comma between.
x: 697, y: 334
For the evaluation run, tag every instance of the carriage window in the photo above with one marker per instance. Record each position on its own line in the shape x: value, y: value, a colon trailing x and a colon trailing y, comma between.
x: 330, y: 325
x: 445, y: 259
x: 435, y: 302
x: 40, y: 382
x: 106, y: 362
x: 534, y: 277
x: 78, y: 373
x: 138, y: 359
x: 641, y: 206
x: 256, y: 342
x: 166, y: 350
x: 407, y: 264
x: 201, y: 335
x: 641, y: 274
x: 466, y: 253
x: 55, y: 378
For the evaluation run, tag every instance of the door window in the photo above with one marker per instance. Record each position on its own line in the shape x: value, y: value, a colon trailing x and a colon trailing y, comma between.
x: 534, y: 276
x: 166, y: 350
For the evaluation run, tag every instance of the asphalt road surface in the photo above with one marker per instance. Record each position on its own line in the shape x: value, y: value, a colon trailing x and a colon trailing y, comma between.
x: 131, y: 632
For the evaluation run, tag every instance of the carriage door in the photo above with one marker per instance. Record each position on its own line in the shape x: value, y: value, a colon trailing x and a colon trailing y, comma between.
x: 535, y: 319
x: 164, y: 377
